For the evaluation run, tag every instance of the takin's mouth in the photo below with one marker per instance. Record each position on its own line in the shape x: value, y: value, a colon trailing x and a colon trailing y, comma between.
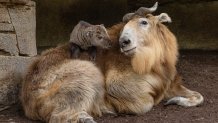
x: 129, y: 51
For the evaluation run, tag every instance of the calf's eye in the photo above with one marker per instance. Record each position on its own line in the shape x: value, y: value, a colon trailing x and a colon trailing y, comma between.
x: 100, y: 37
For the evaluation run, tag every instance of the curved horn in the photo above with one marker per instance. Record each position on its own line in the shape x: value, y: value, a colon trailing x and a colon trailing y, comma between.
x: 143, y: 10
x: 128, y: 16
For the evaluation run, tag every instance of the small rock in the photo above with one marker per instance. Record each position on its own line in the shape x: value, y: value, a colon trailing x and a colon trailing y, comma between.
x: 8, y: 43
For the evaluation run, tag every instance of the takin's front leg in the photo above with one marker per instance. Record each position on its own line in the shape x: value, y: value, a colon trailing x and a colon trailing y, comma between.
x: 180, y: 95
x: 92, y: 53
x: 129, y: 100
x: 74, y: 50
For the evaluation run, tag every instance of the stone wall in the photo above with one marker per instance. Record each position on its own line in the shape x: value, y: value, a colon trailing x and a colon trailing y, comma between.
x: 17, y: 45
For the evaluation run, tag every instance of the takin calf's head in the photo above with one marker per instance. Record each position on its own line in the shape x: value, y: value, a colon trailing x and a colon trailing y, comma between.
x: 149, y: 42
x: 87, y: 35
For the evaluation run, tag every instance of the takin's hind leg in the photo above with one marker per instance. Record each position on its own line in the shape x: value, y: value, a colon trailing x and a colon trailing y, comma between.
x: 180, y: 95
x: 68, y: 116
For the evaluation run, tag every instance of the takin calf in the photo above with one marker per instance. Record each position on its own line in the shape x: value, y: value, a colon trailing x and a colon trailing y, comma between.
x: 86, y: 37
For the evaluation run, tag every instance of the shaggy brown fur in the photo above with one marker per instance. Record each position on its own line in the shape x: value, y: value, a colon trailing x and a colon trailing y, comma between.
x: 41, y: 94
x: 52, y: 91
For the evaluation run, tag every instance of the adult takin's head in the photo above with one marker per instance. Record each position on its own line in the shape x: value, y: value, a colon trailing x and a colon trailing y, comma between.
x: 147, y: 39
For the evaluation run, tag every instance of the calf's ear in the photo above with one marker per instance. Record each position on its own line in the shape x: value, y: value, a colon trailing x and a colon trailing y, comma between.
x: 163, y: 18
x: 84, y: 23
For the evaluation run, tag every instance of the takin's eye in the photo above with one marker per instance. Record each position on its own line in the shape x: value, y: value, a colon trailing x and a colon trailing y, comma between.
x: 143, y: 22
x: 100, y: 37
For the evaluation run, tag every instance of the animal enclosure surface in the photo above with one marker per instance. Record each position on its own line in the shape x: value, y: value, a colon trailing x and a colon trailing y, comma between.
x: 200, y: 73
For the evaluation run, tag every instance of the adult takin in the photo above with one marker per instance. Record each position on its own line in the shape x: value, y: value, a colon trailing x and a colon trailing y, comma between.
x: 144, y: 72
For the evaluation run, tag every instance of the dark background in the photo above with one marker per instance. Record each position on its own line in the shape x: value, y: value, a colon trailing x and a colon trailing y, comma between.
x: 195, y: 22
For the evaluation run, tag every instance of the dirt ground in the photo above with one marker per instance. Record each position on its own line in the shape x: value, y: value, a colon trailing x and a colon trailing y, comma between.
x: 200, y: 73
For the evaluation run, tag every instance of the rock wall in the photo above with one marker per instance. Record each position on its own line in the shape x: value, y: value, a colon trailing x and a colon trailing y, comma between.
x: 17, y: 45
x: 17, y: 28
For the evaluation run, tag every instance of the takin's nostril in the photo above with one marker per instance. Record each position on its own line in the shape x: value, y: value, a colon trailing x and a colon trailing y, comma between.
x: 126, y: 42
x: 109, y: 45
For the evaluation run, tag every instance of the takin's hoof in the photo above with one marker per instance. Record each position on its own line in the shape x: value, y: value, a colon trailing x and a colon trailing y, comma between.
x: 87, y: 120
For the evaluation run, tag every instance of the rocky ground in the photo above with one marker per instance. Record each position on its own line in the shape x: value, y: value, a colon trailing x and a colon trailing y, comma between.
x: 200, y: 72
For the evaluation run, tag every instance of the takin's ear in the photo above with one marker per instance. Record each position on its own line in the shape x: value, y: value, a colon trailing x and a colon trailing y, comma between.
x: 163, y: 17
x: 84, y: 23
